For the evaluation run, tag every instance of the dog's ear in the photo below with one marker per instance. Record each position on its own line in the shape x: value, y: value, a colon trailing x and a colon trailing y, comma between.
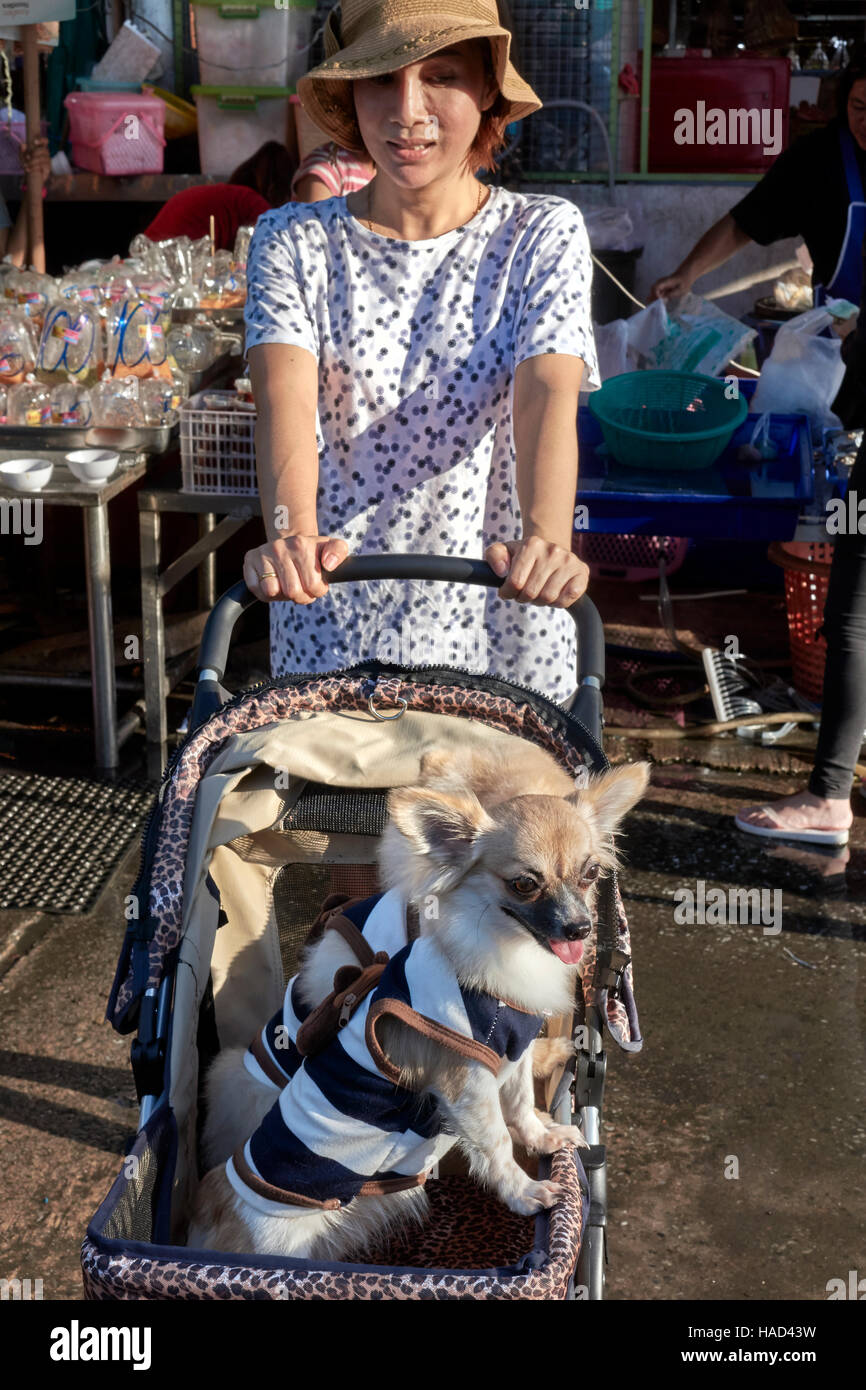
x: 443, y: 825
x: 610, y: 796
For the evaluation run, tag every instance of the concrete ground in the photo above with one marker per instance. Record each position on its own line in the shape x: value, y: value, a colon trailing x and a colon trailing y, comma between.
x: 735, y: 1138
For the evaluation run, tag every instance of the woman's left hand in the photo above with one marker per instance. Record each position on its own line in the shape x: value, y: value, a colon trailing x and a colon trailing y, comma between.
x: 538, y: 572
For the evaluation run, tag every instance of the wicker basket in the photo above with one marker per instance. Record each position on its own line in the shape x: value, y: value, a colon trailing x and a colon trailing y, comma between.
x: 807, y: 577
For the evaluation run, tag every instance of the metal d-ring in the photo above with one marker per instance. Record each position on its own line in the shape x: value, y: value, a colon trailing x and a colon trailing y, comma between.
x: 387, y: 718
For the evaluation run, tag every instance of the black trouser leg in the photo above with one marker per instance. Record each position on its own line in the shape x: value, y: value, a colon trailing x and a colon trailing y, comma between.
x: 843, y: 710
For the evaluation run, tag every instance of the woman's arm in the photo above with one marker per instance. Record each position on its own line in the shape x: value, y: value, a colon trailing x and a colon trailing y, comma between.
x: 285, y: 387
x: 541, y: 566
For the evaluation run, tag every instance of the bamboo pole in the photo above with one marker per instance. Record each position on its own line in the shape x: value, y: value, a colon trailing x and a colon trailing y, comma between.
x: 35, y: 222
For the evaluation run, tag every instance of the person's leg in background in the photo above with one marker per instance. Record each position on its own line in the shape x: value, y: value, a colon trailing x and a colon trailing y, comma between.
x: 826, y: 804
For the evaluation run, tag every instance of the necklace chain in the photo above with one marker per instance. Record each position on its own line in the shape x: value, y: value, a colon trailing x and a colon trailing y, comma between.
x: 481, y: 187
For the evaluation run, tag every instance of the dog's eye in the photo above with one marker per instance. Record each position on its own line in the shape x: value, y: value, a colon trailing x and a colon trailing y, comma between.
x: 590, y: 873
x: 524, y: 885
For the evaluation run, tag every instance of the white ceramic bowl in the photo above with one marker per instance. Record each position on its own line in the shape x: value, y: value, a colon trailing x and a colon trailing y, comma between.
x: 26, y: 475
x: 93, y: 466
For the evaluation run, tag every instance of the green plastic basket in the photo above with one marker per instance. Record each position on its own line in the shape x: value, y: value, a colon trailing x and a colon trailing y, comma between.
x: 667, y: 419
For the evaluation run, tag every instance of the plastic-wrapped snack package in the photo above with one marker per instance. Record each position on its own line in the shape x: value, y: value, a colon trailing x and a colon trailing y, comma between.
x: 70, y: 405
x: 241, y: 252
x: 115, y: 281
x: 72, y: 344
x: 199, y: 257
x: 17, y: 345
x: 193, y: 346
x: 33, y: 291
x: 223, y: 284
x: 115, y: 403
x: 80, y: 284
x: 158, y: 401
x: 137, y: 333
x: 29, y: 403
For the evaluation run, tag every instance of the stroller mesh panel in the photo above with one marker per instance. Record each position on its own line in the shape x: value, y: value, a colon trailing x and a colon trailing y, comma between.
x: 338, y: 810
x: 300, y: 890
x: 132, y: 1217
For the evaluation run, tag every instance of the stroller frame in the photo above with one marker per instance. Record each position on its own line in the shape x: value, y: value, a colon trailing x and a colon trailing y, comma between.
x: 579, y: 1094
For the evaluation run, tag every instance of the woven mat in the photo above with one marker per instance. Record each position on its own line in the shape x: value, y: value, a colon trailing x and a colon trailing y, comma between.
x: 62, y: 837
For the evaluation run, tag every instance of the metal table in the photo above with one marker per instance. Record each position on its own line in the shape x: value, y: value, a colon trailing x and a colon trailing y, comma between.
x: 156, y: 583
x: 64, y: 490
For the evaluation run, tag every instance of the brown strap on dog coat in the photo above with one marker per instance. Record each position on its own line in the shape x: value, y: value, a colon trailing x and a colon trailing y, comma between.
x: 352, y: 984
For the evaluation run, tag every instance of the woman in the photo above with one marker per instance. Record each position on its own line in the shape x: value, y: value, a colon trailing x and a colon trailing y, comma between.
x: 262, y: 182
x: 386, y: 332
x: 822, y: 813
x: 813, y: 190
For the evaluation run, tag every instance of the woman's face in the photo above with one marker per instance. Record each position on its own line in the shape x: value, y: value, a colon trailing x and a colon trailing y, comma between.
x: 857, y: 112
x: 435, y: 104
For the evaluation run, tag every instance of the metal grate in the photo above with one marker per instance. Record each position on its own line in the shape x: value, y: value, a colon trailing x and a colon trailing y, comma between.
x: 62, y: 837
x: 564, y: 55
x: 300, y: 890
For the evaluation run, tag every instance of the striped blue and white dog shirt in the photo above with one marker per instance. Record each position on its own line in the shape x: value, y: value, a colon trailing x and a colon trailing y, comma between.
x: 342, y: 1126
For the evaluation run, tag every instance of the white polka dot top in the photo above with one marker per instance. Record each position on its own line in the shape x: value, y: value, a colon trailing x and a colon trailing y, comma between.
x: 417, y: 344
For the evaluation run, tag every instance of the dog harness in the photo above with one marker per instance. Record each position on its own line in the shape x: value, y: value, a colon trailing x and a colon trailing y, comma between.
x: 342, y: 1125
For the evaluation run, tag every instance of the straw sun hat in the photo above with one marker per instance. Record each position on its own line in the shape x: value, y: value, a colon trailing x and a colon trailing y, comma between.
x: 364, y: 38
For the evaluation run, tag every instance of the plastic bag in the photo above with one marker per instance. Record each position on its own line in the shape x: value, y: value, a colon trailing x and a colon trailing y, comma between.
x: 801, y: 376
x: 699, y: 338
x: 608, y: 229
x: 611, y: 346
x: 793, y: 290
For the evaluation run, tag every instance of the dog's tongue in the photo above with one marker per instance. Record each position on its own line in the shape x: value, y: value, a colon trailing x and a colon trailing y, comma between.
x: 568, y: 951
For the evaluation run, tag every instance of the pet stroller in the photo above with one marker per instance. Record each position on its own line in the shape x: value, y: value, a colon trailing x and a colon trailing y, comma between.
x: 270, y: 808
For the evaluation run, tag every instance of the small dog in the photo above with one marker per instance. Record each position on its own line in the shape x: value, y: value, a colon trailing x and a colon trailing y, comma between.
x: 238, y: 1094
x: 513, y: 882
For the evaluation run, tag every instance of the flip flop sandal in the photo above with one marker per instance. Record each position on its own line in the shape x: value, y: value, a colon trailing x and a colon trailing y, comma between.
x: 804, y: 836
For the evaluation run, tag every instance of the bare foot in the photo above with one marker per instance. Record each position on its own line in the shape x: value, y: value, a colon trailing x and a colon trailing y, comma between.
x: 801, y: 811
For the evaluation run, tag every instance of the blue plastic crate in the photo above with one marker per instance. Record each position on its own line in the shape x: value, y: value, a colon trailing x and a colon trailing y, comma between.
x: 730, y: 499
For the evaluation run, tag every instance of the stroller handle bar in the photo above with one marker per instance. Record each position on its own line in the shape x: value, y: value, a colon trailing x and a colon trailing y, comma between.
x: 216, y: 639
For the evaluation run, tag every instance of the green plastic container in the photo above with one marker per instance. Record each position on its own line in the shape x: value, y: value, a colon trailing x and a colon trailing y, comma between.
x: 667, y: 420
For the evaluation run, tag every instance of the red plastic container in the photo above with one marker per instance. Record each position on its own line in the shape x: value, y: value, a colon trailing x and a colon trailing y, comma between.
x: 116, y: 132
x: 631, y: 558
x: 807, y: 577
x: 700, y: 85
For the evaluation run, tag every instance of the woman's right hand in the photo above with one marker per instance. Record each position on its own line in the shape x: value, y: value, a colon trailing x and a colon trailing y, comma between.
x: 292, y: 567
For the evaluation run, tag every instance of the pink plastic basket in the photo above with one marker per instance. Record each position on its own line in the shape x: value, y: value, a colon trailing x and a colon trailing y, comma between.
x: 631, y: 558
x: 116, y: 132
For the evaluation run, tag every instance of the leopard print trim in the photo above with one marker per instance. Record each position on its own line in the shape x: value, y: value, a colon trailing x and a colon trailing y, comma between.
x: 323, y: 693
x: 466, y: 1226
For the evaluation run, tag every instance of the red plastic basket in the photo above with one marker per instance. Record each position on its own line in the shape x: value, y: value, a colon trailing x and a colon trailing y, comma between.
x: 807, y: 577
x: 116, y: 132
x: 629, y: 557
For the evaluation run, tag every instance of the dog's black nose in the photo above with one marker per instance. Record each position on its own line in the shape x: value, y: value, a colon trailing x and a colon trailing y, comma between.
x: 577, y: 931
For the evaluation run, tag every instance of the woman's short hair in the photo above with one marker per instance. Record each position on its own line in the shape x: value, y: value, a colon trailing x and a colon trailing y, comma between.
x: 269, y: 171
x: 491, y: 137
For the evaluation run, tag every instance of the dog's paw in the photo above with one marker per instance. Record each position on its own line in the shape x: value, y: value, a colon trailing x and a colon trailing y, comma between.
x: 535, y: 1197
x: 559, y: 1137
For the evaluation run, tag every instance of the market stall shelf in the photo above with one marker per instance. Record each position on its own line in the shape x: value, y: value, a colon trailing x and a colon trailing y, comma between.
x: 235, y: 512
x: 64, y: 490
